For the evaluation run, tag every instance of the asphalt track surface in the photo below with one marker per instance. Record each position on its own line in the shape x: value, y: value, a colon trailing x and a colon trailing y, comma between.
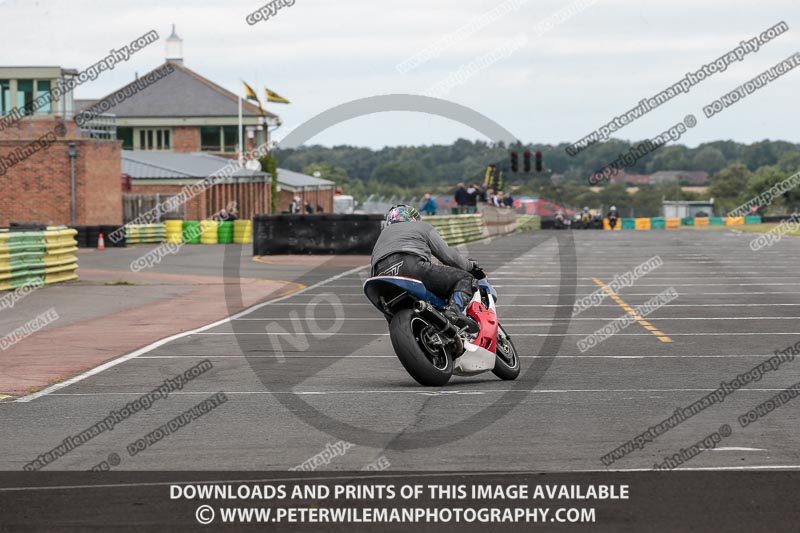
x: 302, y: 387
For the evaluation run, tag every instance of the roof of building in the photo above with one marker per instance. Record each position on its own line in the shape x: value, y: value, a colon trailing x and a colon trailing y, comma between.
x: 182, y: 93
x: 147, y: 165
x: 174, y: 165
x: 296, y: 179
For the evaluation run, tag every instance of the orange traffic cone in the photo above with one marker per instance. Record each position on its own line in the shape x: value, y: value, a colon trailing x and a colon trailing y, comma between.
x: 101, y: 245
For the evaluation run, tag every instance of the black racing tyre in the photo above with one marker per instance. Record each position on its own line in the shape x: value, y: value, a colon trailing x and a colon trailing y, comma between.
x: 506, y: 365
x: 430, y: 367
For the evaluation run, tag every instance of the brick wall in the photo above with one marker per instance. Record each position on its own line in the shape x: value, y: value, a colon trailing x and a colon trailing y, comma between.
x: 37, y: 189
x: 185, y: 139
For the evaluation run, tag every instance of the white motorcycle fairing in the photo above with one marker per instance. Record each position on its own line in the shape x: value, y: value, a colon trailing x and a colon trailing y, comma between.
x: 475, y: 359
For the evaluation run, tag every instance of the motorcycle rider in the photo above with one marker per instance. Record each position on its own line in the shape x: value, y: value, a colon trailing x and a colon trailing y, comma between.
x: 613, y: 215
x: 405, y: 247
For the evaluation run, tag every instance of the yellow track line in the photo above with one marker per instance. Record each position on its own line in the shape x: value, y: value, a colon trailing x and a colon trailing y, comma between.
x: 628, y: 309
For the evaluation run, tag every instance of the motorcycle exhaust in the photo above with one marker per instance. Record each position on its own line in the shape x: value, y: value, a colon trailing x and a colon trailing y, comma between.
x: 437, y: 319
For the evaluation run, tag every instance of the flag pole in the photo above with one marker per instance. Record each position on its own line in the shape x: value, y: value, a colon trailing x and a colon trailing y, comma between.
x: 241, y: 141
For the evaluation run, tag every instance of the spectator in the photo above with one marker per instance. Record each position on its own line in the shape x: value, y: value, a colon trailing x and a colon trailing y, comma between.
x: 482, y: 191
x: 320, y: 209
x: 429, y: 206
x: 294, y: 207
x: 508, y: 201
x: 309, y: 208
x: 462, y: 199
x: 472, y: 198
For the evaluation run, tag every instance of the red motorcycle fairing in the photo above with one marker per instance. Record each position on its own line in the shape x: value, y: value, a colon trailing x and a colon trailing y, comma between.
x: 487, y: 320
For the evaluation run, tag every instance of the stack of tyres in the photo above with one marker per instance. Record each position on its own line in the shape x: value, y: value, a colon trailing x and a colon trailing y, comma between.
x: 145, y: 233
x: 208, y: 231
x: 60, y: 260
x: 21, y: 259
x: 225, y: 232
x: 82, y: 236
x: 716, y: 221
x: 657, y: 223
x: 191, y: 232
x: 92, y: 236
x: 121, y: 241
x: 174, y: 230
x: 628, y: 223
x: 242, y: 231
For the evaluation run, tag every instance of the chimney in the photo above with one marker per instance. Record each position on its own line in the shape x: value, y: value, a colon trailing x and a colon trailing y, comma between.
x: 175, y: 48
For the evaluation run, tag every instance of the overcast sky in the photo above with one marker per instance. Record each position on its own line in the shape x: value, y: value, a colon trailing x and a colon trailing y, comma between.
x: 551, y: 88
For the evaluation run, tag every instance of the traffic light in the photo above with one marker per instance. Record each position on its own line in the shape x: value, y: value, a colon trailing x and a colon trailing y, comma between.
x: 514, y: 162
x: 526, y: 162
x: 538, y: 161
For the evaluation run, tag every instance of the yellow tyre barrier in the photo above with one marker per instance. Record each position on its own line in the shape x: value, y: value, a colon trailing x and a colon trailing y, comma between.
x: 242, y: 231
x: 701, y: 221
x: 458, y: 229
x: 672, y: 223
x: 208, y: 231
x: 174, y: 229
x: 643, y: 223
x: 734, y: 221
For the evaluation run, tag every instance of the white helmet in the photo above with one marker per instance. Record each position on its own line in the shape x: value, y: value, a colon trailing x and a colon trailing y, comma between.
x: 613, y: 208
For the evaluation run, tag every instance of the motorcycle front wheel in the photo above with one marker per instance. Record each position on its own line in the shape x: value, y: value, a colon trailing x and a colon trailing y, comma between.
x: 426, y: 362
x: 506, y: 365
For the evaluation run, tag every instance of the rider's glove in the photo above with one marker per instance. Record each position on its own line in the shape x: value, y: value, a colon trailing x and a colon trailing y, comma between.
x: 476, y: 270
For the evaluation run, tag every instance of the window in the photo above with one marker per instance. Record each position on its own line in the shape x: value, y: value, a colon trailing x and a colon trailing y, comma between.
x: 42, y: 89
x: 126, y: 136
x: 210, y: 139
x: 231, y: 138
x: 25, y: 95
x: 5, y: 97
x: 219, y: 138
x: 149, y: 139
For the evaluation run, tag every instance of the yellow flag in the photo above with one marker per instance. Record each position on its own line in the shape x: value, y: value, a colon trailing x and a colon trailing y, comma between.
x: 275, y: 97
x: 250, y: 94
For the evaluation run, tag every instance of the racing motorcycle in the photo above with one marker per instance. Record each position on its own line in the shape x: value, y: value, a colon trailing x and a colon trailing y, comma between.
x: 612, y: 220
x: 430, y: 347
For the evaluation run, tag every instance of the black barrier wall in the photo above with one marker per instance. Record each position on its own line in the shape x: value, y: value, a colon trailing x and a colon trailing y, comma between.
x: 315, y: 234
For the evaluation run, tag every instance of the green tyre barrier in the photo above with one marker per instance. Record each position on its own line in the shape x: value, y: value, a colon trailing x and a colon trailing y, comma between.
x: 191, y: 231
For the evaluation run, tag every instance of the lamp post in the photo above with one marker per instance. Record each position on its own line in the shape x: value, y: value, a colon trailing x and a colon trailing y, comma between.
x: 73, y: 152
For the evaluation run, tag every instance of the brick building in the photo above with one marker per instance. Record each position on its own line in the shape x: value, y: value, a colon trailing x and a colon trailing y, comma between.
x: 40, y: 147
x: 157, y: 175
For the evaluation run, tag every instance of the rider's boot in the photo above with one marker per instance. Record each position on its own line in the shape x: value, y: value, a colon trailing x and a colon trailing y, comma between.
x: 454, y: 312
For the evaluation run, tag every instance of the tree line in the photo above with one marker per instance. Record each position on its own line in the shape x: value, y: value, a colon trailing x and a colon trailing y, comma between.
x: 737, y: 171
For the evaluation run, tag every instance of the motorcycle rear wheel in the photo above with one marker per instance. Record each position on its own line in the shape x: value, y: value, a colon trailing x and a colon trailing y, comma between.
x: 506, y: 365
x: 428, y: 365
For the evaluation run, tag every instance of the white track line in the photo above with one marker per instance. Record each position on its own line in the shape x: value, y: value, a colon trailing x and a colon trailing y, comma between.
x: 150, y: 347
x: 576, y: 356
x: 407, y: 391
